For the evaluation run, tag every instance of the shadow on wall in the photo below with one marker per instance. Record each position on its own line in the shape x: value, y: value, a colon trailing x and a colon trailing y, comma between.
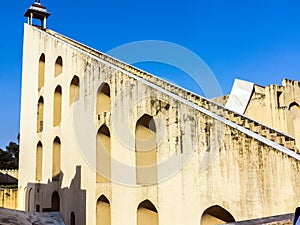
x: 7, y: 179
x: 50, y: 197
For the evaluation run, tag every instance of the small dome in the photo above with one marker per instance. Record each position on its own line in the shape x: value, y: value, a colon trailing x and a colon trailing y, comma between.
x: 37, y: 11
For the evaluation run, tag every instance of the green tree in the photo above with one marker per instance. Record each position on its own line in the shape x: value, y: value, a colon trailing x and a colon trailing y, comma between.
x: 9, y: 158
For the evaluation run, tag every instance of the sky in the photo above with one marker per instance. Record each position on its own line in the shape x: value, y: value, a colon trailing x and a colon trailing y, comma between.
x: 254, y: 40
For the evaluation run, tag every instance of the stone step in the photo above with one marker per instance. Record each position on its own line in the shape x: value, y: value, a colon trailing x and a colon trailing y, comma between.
x: 229, y: 115
x: 265, y: 132
x: 289, y: 143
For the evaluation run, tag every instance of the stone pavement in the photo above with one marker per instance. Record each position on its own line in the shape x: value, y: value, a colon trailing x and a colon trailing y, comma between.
x: 15, y: 217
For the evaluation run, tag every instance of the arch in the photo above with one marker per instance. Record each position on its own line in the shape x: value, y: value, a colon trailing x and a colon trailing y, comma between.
x: 39, y: 162
x: 146, y: 150
x: 147, y: 213
x: 216, y: 215
x: 103, y: 99
x: 58, y: 66
x: 280, y: 100
x: 103, y: 151
x: 41, y: 72
x: 72, y: 218
x: 40, y: 115
x: 294, y: 109
x: 30, y: 201
x: 55, y: 202
x: 56, y: 158
x: 57, y: 107
x: 74, y: 89
x: 103, y: 213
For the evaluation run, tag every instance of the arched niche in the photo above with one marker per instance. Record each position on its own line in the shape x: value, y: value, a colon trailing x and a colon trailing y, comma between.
x: 40, y: 115
x: 103, y: 212
x: 216, y: 215
x: 56, y: 158
x: 74, y: 89
x: 58, y: 66
x: 41, y: 71
x: 103, y: 99
x: 146, y: 150
x: 39, y: 162
x: 55, y: 202
x: 147, y: 214
x: 103, y: 152
x: 57, y: 107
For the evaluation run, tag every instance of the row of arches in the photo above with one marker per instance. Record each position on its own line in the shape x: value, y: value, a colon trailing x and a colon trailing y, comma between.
x: 103, y: 96
x: 103, y: 102
x: 145, y: 152
x: 56, y: 160
x: 103, y: 142
x: 57, y: 103
x: 146, y: 212
x: 58, y: 69
x: 145, y: 144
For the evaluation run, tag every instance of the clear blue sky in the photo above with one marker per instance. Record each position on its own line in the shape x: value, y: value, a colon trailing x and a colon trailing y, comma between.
x: 256, y: 40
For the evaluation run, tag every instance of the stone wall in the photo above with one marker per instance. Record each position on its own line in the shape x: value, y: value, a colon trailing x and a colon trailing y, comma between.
x: 206, y: 155
x: 9, y: 177
x: 276, y: 105
x: 9, y: 198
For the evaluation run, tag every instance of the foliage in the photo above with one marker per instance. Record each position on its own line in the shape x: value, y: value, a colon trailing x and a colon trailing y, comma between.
x: 9, y: 158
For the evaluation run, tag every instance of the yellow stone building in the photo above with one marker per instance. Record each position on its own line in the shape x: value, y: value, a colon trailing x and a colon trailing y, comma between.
x: 106, y: 143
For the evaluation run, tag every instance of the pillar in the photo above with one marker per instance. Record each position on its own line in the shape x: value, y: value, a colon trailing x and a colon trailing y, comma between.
x: 45, y: 22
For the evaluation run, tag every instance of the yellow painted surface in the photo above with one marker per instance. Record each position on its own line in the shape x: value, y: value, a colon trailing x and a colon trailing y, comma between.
x: 39, y: 161
x: 276, y: 105
x: 41, y: 71
x: 56, y: 160
x: 40, y: 115
x: 58, y: 66
x: 103, y: 166
x: 57, y: 106
x: 208, y: 219
x: 9, y: 198
x: 103, y: 99
x: 146, y: 217
x: 146, y: 152
x: 103, y: 213
x: 74, y: 90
